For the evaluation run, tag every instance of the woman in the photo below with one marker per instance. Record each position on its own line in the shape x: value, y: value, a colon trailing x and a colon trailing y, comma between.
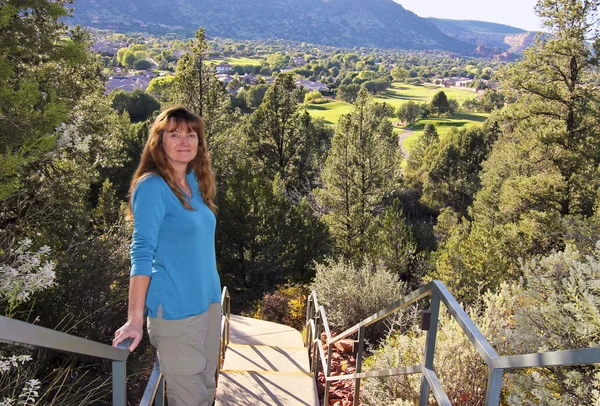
x: 173, y: 267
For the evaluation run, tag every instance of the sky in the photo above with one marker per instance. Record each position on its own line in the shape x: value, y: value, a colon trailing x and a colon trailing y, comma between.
x: 518, y: 13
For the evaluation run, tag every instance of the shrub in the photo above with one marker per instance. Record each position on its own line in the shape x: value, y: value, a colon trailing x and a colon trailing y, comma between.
x: 351, y: 294
x: 555, y: 307
x: 461, y: 369
x: 287, y: 305
x: 313, y: 97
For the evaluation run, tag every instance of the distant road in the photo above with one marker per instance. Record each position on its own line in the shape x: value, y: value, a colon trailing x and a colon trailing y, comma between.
x: 401, y: 138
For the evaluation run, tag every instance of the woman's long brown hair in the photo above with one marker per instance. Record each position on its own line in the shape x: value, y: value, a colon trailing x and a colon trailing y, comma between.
x: 153, y: 158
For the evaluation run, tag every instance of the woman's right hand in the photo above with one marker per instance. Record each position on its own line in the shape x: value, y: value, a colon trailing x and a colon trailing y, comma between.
x: 129, y: 330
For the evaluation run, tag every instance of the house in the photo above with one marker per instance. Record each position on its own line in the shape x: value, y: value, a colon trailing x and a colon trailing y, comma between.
x: 224, y: 68
x: 312, y: 86
x: 299, y: 61
x: 248, y: 79
x: 224, y: 78
x: 128, y: 83
x: 448, y: 82
x: 464, y: 82
x: 286, y: 69
x: 456, y: 81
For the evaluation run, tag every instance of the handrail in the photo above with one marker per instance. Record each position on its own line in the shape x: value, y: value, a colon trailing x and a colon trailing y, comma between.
x: 382, y: 314
x: 154, y: 392
x: 317, y: 321
x: 22, y: 333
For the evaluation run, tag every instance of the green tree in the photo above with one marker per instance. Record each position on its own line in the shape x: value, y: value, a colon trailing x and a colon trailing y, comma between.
x: 439, y: 103
x: 413, y: 173
x: 160, y: 87
x: 197, y: 87
x: 37, y: 94
x: 492, y: 100
x: 409, y: 112
x: 255, y: 95
x: 139, y: 104
x: 277, y: 133
x: 263, y: 238
x: 393, y: 242
x: 312, y: 96
x: 276, y: 60
x: 128, y: 59
x: 399, y: 73
x: 120, y: 54
x: 348, y: 93
x: 142, y: 64
x: 450, y: 169
x: 542, y: 172
x: 361, y: 168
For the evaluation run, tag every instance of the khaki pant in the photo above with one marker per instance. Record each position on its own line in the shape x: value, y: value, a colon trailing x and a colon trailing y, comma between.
x: 188, y: 352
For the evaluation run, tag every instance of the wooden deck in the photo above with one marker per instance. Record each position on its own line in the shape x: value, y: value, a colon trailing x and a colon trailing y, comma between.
x: 265, y: 364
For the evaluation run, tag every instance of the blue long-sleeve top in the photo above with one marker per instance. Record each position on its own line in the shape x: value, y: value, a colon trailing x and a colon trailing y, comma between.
x: 175, y: 247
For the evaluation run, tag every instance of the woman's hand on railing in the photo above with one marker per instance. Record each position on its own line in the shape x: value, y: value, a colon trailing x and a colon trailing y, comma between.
x: 133, y: 330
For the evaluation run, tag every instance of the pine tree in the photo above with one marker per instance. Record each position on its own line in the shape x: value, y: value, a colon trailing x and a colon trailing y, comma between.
x: 196, y: 86
x: 362, y: 167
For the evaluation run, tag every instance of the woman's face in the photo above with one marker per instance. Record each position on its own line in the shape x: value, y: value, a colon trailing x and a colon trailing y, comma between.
x: 180, y: 145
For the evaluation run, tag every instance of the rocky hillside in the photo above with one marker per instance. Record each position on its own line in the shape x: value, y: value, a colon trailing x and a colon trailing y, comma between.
x: 491, y: 35
x: 345, y: 23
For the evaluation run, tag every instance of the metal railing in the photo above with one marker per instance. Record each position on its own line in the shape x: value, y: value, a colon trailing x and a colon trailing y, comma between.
x: 154, y: 393
x: 316, y: 322
x: 19, y: 332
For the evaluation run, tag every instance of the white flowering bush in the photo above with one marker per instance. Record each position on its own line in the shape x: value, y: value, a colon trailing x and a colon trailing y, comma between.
x: 23, y: 273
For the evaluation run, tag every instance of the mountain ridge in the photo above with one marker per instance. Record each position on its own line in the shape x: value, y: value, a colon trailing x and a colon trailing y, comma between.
x: 344, y: 23
x: 503, y: 37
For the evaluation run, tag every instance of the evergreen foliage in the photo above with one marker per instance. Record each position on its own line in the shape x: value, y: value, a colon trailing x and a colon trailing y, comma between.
x: 361, y: 169
x: 197, y: 87
x: 542, y: 173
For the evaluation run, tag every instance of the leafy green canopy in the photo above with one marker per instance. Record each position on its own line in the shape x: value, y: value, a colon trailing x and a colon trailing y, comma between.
x: 43, y: 71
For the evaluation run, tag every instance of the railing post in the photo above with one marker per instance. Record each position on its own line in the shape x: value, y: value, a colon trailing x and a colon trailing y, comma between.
x: 359, y: 359
x: 430, y: 346
x: 494, y: 387
x: 308, y: 308
x: 159, y: 400
x: 119, y: 383
x: 326, y: 373
x: 316, y: 351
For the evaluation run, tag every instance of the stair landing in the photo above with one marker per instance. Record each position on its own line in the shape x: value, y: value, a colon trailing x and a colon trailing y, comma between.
x: 265, y: 364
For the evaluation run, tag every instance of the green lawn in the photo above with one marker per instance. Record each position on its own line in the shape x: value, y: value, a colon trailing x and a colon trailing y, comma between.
x: 330, y: 111
x: 443, y: 125
x: 400, y: 93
